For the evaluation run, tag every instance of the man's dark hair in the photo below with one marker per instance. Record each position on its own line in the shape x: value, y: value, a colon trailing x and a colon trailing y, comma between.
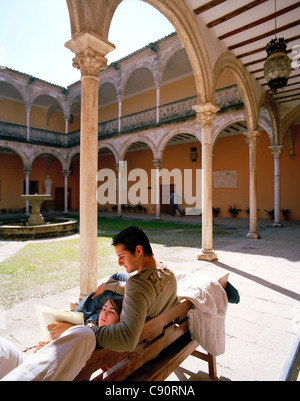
x: 132, y: 236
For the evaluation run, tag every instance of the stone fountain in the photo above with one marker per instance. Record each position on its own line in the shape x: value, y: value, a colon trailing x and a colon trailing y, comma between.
x: 37, y: 226
x: 35, y: 201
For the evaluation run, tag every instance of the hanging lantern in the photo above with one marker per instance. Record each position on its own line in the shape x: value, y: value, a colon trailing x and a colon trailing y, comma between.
x: 193, y: 154
x: 277, y: 66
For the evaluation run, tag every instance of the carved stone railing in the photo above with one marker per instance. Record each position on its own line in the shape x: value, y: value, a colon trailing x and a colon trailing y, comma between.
x: 18, y: 133
x: 226, y: 98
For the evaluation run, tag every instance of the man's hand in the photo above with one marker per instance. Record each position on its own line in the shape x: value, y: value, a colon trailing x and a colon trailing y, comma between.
x: 41, y: 345
x: 100, y: 290
x: 56, y: 329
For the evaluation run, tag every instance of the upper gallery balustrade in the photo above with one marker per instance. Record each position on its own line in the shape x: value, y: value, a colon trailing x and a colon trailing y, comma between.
x: 226, y: 98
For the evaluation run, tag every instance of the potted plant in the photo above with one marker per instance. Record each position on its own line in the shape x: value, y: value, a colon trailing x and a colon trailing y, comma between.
x: 139, y: 208
x: 216, y: 211
x: 285, y: 213
x: 270, y: 213
x: 234, y: 211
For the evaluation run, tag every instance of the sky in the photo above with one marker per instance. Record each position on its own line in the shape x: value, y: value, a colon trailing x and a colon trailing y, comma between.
x: 33, y: 34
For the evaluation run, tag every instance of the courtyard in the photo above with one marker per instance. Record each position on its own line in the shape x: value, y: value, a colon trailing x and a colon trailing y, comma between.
x: 261, y: 330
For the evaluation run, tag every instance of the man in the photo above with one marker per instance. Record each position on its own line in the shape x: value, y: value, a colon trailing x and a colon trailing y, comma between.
x: 147, y: 293
x: 174, y: 201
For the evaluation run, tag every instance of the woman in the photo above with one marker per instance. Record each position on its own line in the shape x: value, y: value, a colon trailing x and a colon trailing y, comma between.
x: 93, y: 303
x: 109, y: 314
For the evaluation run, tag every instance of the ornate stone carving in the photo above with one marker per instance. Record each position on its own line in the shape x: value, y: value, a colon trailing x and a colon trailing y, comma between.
x: 206, y: 113
x: 90, y: 63
x: 252, y: 138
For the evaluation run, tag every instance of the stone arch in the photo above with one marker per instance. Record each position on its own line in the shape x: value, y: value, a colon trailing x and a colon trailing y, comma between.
x: 105, y: 144
x: 287, y: 121
x: 108, y: 80
x: 131, y: 140
x: 19, y: 88
x: 222, y: 121
x: 56, y: 99
x: 269, y: 103
x: 130, y: 73
x: 54, y: 152
x: 16, y: 149
x: 73, y: 95
x: 70, y: 156
x: 228, y: 62
x: 166, y: 138
x: 96, y: 15
x: 165, y: 62
x: 107, y: 93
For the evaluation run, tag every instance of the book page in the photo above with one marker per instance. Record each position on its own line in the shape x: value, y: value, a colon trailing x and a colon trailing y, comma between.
x: 47, y: 315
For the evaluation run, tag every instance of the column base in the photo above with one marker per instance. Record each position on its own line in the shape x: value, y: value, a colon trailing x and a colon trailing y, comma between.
x: 277, y: 225
x: 209, y: 256
x: 253, y: 236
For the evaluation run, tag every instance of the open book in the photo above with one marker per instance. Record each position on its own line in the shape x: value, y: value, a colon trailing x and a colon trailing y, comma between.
x: 47, y: 315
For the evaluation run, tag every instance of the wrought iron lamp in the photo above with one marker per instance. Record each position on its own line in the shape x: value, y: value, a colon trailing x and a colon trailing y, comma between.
x: 277, y: 67
x: 193, y: 154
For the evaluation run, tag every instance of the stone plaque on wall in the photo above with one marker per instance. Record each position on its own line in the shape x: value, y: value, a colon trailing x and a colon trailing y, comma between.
x: 225, y: 179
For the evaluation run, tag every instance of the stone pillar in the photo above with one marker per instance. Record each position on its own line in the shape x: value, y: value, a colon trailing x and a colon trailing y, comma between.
x: 90, y: 51
x: 119, y: 113
x: 206, y: 113
x: 118, y: 190
x: 27, y: 174
x: 28, y: 110
x: 67, y: 117
x: 277, y: 152
x: 252, y: 139
x: 157, y: 164
x: 157, y: 101
x: 66, y: 175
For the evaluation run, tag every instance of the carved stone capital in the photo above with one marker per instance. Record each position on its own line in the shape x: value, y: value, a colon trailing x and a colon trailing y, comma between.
x: 252, y: 137
x: 157, y: 163
x: 276, y: 150
x: 206, y: 113
x: 90, y: 50
x: 90, y: 63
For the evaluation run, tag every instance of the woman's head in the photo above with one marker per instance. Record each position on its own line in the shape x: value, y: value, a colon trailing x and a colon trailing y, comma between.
x: 110, y: 312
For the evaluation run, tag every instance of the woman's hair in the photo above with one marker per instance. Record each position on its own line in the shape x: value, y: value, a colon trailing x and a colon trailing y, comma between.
x: 131, y: 237
x: 116, y: 302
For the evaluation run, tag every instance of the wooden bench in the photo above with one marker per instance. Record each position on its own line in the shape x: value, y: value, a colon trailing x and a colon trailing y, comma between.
x: 164, y: 344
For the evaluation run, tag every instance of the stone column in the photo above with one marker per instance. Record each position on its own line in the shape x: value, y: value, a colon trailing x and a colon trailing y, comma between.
x: 118, y: 190
x: 66, y: 117
x: 157, y: 100
x: 90, y: 51
x: 28, y: 110
x: 66, y: 175
x: 206, y: 113
x: 119, y: 112
x: 27, y: 171
x: 157, y: 164
x: 277, y: 152
x: 252, y: 139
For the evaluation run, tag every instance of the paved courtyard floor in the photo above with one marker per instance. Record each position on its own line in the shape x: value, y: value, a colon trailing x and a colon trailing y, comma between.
x: 261, y: 330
